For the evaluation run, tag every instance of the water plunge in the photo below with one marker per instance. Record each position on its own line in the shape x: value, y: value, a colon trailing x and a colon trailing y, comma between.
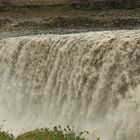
x: 89, y: 81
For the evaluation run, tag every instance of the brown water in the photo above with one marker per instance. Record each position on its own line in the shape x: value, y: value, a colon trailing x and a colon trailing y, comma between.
x: 88, y: 80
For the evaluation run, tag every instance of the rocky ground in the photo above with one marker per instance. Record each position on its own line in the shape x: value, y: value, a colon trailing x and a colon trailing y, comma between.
x: 26, y: 20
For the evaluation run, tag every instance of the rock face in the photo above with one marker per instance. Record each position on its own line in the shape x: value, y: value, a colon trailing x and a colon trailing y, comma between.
x: 34, y: 2
x: 18, y: 17
x: 79, y: 4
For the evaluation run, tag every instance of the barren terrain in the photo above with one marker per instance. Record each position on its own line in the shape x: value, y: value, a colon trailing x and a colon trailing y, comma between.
x: 26, y: 20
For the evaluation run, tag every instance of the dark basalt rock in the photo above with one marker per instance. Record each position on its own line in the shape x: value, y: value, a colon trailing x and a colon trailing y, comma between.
x: 76, y: 4
x: 88, y: 15
x: 106, y: 4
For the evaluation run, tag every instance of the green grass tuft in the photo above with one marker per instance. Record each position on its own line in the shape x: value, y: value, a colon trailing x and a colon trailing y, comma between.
x: 45, y: 134
x: 6, y: 136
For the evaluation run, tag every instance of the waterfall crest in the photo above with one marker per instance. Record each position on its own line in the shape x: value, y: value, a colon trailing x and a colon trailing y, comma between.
x: 88, y: 80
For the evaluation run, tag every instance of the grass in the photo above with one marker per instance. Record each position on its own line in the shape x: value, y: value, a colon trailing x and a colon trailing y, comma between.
x: 6, y: 136
x: 45, y: 134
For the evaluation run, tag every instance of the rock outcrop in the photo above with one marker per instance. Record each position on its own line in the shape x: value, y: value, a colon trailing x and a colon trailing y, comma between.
x: 78, y: 4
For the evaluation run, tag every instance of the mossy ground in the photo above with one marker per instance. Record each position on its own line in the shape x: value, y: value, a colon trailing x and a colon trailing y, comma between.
x: 6, y: 136
x: 45, y: 134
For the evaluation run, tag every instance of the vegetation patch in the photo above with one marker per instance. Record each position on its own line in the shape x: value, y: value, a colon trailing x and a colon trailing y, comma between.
x: 46, y: 134
x: 6, y: 136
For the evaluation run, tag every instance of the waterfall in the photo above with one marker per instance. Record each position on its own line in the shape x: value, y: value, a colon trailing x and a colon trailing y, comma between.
x: 87, y: 80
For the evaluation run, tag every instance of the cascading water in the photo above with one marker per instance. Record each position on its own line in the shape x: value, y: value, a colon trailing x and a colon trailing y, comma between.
x: 89, y: 81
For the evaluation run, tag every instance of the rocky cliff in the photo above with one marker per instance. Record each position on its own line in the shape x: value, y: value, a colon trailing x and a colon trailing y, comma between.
x: 79, y: 4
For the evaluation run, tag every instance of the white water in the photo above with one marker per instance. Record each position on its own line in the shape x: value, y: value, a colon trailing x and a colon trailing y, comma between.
x: 89, y: 81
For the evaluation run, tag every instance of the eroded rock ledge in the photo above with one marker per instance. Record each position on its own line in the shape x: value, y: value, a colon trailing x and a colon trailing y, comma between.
x: 67, y: 16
